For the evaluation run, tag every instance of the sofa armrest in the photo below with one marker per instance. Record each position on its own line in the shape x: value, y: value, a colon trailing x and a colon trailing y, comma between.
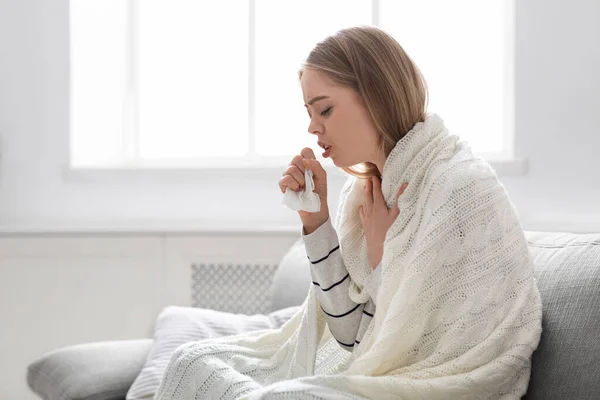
x: 98, y: 371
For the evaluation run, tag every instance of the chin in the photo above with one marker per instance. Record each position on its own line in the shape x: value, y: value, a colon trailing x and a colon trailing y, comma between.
x: 342, y: 164
x: 338, y: 164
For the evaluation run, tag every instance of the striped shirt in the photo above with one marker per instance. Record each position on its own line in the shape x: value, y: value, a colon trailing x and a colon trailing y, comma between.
x: 347, y: 320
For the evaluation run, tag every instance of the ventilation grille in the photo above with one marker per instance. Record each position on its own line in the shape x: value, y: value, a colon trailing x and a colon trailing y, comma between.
x: 234, y: 288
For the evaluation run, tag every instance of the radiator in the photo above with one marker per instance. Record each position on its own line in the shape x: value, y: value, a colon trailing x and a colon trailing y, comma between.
x: 234, y: 288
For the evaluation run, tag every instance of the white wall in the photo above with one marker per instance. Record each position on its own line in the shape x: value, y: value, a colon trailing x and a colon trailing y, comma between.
x: 557, y: 106
x: 61, y: 290
x: 558, y: 56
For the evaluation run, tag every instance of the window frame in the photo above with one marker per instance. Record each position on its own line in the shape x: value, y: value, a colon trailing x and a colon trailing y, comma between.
x: 132, y: 166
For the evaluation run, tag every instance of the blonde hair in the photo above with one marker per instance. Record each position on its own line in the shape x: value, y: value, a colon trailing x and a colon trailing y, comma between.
x: 373, y: 63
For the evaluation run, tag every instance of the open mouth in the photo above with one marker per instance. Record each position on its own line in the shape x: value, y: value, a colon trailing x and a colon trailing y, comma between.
x: 324, y: 146
x: 327, y: 149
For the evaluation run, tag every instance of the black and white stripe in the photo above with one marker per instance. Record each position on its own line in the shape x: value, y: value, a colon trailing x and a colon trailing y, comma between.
x: 346, y: 319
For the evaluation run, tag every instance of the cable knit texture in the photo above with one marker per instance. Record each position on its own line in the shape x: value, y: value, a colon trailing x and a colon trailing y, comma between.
x: 458, y: 311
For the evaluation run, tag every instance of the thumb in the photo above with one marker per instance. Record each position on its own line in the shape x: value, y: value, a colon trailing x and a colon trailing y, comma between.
x: 396, y: 207
x: 315, y: 166
x: 402, y: 189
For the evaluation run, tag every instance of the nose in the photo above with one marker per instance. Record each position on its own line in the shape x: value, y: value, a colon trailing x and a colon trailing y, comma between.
x: 314, y: 127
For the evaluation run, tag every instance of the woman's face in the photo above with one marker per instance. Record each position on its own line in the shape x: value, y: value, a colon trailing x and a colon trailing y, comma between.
x: 339, y: 118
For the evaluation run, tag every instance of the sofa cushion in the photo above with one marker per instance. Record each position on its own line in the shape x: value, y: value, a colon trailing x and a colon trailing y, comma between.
x: 176, y: 326
x: 292, y: 279
x: 94, y: 371
x: 566, y: 364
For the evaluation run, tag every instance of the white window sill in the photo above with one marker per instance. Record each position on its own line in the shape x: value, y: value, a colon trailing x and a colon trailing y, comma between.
x: 503, y: 168
x: 185, y: 176
x: 147, y: 228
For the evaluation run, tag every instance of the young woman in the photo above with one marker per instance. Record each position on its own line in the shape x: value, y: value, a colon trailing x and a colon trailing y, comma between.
x: 428, y: 293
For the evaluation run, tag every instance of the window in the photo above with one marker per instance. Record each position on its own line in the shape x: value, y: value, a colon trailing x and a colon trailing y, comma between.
x: 197, y: 83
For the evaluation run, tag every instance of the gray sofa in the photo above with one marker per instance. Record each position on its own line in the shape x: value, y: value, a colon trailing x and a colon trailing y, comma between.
x: 566, y: 364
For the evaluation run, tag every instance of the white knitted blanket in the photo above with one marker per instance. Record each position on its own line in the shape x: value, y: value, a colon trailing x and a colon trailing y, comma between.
x: 458, y: 313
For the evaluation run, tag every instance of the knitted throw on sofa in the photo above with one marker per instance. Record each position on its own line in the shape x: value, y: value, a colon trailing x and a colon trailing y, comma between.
x: 458, y: 313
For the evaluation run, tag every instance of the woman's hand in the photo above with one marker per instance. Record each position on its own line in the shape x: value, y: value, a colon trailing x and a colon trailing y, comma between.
x: 376, y: 218
x: 293, y: 177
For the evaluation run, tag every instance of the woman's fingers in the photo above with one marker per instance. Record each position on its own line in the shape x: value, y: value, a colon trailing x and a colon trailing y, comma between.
x: 368, y: 203
x: 293, y: 176
x: 311, y: 162
x: 318, y: 171
x: 377, y: 193
x: 288, y: 181
x: 402, y: 189
x: 298, y: 161
x: 396, y: 207
x: 296, y: 173
x: 307, y: 152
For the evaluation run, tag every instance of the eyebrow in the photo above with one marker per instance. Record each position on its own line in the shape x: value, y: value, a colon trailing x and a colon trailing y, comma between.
x: 315, y: 99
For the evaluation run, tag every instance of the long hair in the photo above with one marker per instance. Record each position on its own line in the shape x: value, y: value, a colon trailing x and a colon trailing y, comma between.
x: 373, y: 63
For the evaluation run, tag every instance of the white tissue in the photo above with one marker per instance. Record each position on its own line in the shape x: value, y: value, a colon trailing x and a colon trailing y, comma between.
x: 306, y: 199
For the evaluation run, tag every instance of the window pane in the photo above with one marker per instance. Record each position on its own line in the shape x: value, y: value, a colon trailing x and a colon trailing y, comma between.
x: 459, y: 47
x: 193, y: 78
x: 286, y: 31
x: 97, y: 81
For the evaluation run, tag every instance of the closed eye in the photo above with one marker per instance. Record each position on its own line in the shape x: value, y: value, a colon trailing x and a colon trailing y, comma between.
x: 326, y: 112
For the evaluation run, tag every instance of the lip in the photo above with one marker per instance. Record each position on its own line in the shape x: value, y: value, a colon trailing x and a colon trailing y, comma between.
x: 326, y: 147
x: 323, y: 144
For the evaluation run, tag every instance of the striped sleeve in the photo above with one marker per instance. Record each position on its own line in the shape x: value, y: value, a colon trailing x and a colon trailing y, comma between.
x: 332, y: 281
